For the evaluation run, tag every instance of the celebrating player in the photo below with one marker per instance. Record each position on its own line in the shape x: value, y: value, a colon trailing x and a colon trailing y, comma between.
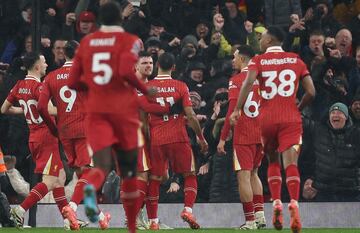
x: 247, y: 146
x: 170, y: 142
x: 70, y: 124
x: 104, y: 68
x: 43, y: 145
x: 279, y: 74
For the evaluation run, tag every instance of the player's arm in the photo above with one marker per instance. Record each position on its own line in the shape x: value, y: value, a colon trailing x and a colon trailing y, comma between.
x: 8, y: 108
x: 309, y: 89
x: 226, y: 128
x: 195, y: 125
x: 152, y: 108
x: 244, y: 92
x: 44, y: 109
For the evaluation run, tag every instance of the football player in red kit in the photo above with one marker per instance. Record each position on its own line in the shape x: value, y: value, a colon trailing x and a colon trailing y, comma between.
x: 70, y: 125
x: 103, y: 68
x: 170, y: 141
x: 43, y: 145
x: 247, y: 147
x: 279, y: 74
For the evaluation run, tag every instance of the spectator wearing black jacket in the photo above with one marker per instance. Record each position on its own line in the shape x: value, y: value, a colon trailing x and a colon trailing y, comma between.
x: 336, y: 143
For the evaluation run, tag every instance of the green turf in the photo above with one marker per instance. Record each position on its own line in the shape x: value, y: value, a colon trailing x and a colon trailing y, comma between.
x: 122, y: 230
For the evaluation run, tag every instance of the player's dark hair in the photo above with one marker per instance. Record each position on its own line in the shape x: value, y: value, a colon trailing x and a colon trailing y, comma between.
x: 144, y: 54
x: 246, y: 50
x: 70, y: 48
x: 110, y: 13
x: 30, y: 59
x: 276, y: 32
x: 166, y: 61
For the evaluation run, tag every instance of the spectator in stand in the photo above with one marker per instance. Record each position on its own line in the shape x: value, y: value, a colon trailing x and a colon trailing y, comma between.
x: 58, y: 55
x: 315, y: 48
x: 354, y: 75
x: 355, y: 110
x: 76, y: 28
x: 336, y: 157
x: 279, y: 12
x: 234, y: 29
x: 319, y: 17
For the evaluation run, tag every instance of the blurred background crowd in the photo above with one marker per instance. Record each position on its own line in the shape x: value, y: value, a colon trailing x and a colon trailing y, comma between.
x: 203, y: 35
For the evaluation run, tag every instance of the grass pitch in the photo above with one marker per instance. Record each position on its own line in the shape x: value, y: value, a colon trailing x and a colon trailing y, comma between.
x: 209, y: 230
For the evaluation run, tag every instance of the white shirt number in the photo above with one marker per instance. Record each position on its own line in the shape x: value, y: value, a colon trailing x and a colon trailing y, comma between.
x: 287, y: 81
x: 99, y: 65
x: 27, y: 109
x: 69, y: 100
x: 251, y: 103
x: 170, y: 100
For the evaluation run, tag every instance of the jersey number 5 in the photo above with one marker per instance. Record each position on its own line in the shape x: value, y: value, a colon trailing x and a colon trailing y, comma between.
x: 99, y: 64
x: 286, y: 87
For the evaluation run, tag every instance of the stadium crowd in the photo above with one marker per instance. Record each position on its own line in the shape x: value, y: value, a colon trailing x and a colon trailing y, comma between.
x: 203, y: 36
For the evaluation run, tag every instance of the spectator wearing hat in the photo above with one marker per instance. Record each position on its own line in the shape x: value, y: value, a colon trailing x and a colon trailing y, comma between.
x: 195, y: 79
x: 76, y: 28
x: 335, y: 160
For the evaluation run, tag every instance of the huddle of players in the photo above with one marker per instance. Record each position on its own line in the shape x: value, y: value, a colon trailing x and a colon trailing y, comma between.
x: 102, y: 80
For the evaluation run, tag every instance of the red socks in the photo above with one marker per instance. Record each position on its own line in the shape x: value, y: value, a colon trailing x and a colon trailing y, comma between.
x: 258, y: 201
x: 60, y: 199
x: 274, y: 180
x: 190, y: 190
x: 143, y: 188
x: 153, y: 199
x: 129, y: 195
x: 293, y: 181
x: 35, y: 195
x: 94, y: 176
x: 248, y: 208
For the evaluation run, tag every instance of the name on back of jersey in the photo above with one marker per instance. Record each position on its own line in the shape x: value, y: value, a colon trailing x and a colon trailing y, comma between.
x: 24, y: 91
x: 274, y: 61
x: 165, y: 89
x: 102, y: 42
x: 62, y: 76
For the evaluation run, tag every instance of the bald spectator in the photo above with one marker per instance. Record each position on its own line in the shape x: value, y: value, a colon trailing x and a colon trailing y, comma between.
x: 343, y: 40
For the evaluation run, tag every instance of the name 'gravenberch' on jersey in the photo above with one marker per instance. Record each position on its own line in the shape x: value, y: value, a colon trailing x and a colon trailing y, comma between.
x: 286, y: 60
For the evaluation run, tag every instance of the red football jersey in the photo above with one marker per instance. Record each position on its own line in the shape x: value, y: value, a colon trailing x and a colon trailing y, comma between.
x: 166, y: 129
x: 26, y: 92
x: 279, y: 74
x: 69, y: 103
x: 247, y: 129
x: 104, y: 66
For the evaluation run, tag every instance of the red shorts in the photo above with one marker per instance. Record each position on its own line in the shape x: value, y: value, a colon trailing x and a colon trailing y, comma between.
x: 104, y: 130
x: 46, y: 157
x: 247, y: 157
x: 143, y: 161
x: 179, y: 155
x: 280, y: 137
x: 76, y: 152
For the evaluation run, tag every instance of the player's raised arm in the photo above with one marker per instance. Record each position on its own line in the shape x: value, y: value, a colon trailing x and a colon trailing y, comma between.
x: 309, y: 95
